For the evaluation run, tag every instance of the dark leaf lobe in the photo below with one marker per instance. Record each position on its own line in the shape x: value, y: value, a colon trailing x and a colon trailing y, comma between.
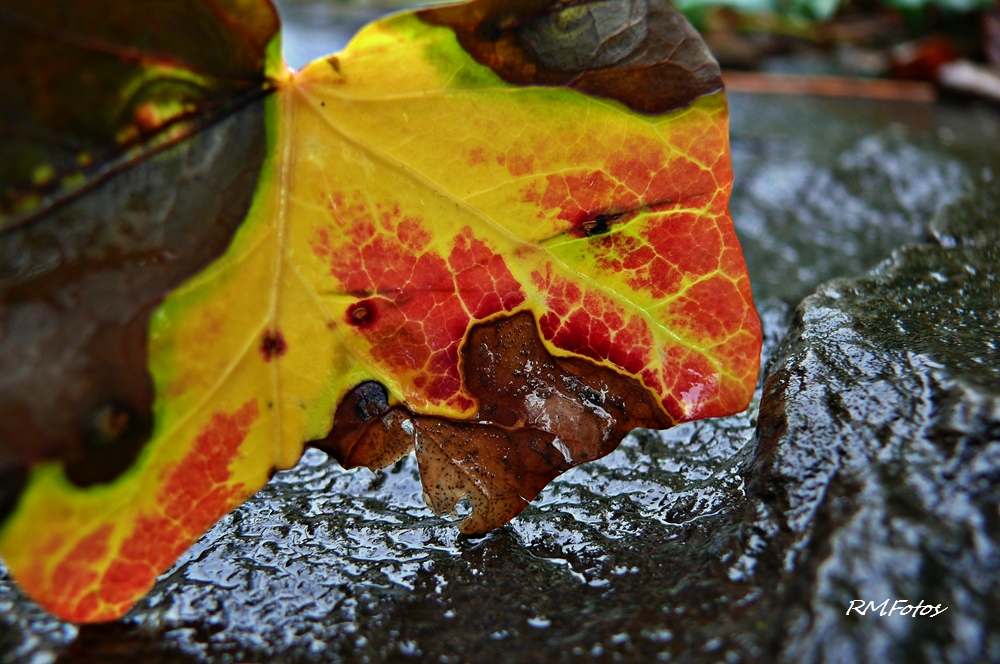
x: 538, y: 417
x: 131, y: 137
x: 89, y: 87
x: 642, y: 53
x: 79, y: 284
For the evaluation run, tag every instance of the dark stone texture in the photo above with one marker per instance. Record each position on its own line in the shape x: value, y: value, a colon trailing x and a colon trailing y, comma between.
x: 827, y: 188
x: 878, y: 456
x: 973, y: 220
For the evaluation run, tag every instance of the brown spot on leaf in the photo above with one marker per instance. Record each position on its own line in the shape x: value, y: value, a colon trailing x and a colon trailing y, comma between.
x: 642, y: 53
x: 538, y: 417
x: 362, y: 314
x: 273, y: 345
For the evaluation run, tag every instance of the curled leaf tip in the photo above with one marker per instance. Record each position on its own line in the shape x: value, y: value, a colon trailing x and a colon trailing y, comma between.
x: 642, y: 53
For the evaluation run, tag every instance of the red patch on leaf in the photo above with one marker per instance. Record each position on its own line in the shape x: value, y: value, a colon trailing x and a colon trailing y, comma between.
x: 477, y: 156
x: 639, y: 175
x: 712, y: 309
x: 273, y: 345
x: 691, y: 385
x: 484, y: 283
x: 195, y: 495
x: 595, y: 326
x: 426, y: 301
x: 670, y: 247
x: 76, y: 574
x: 519, y: 165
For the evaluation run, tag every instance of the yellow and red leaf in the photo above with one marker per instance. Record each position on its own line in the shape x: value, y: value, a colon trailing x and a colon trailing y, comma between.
x: 496, y: 233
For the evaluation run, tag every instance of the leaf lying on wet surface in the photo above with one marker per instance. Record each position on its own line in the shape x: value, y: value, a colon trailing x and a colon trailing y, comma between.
x: 496, y: 234
x: 538, y: 416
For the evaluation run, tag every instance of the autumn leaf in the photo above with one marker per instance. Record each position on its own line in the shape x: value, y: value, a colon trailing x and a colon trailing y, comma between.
x: 118, y: 138
x: 495, y: 233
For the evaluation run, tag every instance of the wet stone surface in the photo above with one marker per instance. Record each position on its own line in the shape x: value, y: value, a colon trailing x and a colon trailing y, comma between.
x: 873, y: 474
x: 827, y: 188
x: 878, y: 456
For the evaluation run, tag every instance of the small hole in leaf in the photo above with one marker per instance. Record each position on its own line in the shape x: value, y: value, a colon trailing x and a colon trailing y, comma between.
x: 12, y: 482
x: 111, y: 436
x: 362, y: 314
x: 597, y: 226
x: 462, y: 509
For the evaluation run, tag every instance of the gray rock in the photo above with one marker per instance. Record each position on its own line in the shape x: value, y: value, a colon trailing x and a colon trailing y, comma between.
x: 878, y: 456
x: 828, y: 188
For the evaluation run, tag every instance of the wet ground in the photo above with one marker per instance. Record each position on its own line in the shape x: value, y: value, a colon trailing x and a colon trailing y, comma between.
x: 710, y: 542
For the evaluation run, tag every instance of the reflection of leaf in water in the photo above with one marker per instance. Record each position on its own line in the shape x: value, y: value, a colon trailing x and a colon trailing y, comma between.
x: 491, y: 232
